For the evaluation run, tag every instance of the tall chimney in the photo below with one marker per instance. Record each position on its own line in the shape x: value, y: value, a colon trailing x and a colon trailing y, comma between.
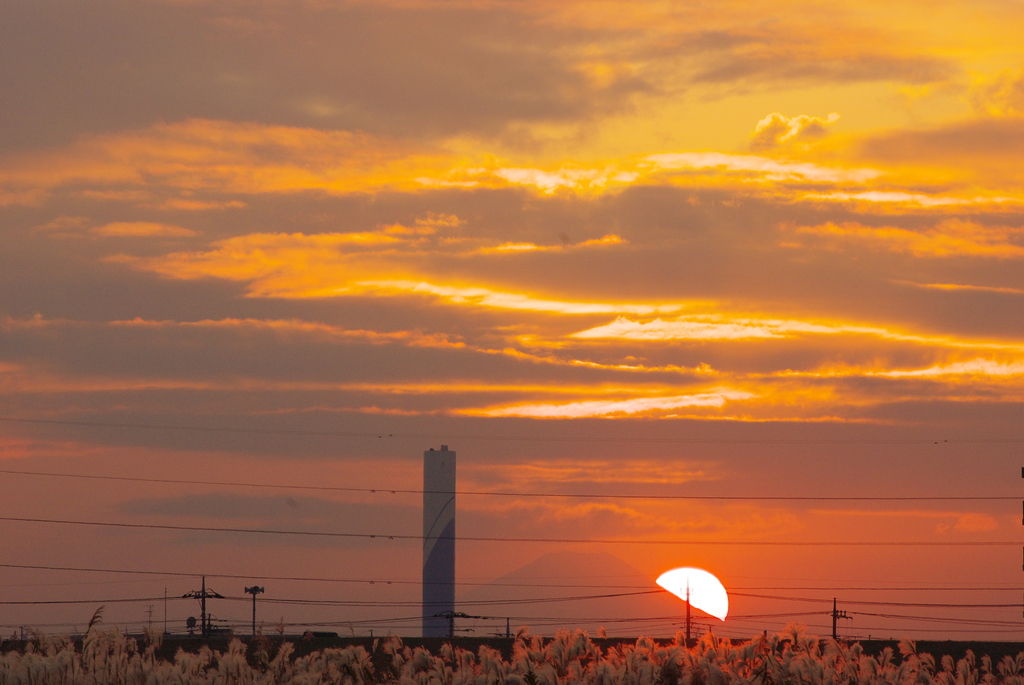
x: 438, y: 541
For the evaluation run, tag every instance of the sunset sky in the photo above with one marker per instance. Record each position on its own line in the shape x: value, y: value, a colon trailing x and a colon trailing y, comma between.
x: 730, y: 249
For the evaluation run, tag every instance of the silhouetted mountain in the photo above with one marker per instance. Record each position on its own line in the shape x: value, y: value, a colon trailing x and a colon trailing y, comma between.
x: 606, y: 591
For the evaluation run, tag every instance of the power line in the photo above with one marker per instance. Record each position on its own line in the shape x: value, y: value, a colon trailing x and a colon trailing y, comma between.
x: 882, y: 589
x: 489, y: 493
x: 863, y: 602
x: 86, y: 601
x: 890, y: 630
x: 467, y: 538
x: 520, y: 438
x: 943, y: 619
x: 482, y: 603
x: 399, y: 581
x: 349, y: 603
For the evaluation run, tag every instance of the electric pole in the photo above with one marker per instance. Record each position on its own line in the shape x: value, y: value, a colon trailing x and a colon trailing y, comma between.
x: 687, y: 613
x: 451, y: 616
x: 202, y: 596
x: 254, y: 590
x: 836, y: 615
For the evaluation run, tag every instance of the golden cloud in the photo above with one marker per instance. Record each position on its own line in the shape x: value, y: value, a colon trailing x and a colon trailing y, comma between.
x: 777, y: 129
x: 975, y: 523
x: 764, y: 167
x: 962, y: 286
x: 637, y: 406
x: 972, y: 367
x: 911, y: 200
x: 1001, y: 95
x: 244, y: 158
x: 639, y: 472
x: 610, y: 239
x: 296, y: 265
x: 485, y: 297
x: 141, y: 229
x: 950, y: 238
x: 725, y: 327
x: 228, y: 157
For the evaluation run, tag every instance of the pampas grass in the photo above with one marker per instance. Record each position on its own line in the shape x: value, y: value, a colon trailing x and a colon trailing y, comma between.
x: 792, y: 657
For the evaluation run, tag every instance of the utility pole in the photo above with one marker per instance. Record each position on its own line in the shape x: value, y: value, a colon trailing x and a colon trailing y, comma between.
x: 165, y: 610
x: 202, y: 595
x: 451, y: 616
x: 836, y: 615
x: 206, y: 630
x: 687, y: 613
x: 149, y: 613
x: 254, y: 590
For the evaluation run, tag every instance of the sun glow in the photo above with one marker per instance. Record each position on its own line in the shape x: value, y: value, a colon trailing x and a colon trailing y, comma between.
x: 703, y: 590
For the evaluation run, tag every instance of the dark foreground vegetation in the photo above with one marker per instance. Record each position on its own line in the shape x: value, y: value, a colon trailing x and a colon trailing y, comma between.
x: 571, y: 658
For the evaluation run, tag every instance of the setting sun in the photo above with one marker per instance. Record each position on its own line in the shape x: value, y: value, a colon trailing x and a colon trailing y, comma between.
x: 703, y: 590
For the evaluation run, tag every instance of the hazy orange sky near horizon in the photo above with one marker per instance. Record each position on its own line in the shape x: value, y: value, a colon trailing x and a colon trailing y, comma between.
x: 727, y: 249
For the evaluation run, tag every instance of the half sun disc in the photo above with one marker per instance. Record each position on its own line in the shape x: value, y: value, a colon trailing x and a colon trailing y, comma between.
x: 705, y: 591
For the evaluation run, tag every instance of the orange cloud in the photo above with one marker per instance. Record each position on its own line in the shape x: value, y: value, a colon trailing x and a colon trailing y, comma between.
x: 142, y: 229
x: 610, y: 239
x: 279, y: 264
x: 766, y: 168
x: 899, y: 198
x: 816, y: 395
x: 229, y: 157
x: 297, y: 265
x: 639, y: 406
x: 566, y: 178
x: 561, y: 471
x: 740, y: 327
x: 975, y: 523
x: 1001, y: 95
x: 970, y: 522
x: 243, y: 158
x: 972, y: 367
x: 65, y: 225
x: 283, y: 326
x: 776, y: 129
x: 201, y: 164
x: 950, y: 238
x: 485, y: 297
x: 960, y: 286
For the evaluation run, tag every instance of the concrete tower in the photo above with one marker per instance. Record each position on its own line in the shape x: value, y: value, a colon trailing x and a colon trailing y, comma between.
x: 438, y: 540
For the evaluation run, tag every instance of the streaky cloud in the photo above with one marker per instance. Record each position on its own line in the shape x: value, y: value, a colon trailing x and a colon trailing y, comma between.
x: 716, y: 399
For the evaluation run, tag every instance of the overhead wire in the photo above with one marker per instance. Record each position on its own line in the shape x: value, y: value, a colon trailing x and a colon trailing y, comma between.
x: 861, y: 602
x: 498, y: 493
x: 121, y: 600
x: 543, y: 600
x: 493, y: 584
x: 478, y: 538
x: 515, y: 438
x: 536, y: 494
